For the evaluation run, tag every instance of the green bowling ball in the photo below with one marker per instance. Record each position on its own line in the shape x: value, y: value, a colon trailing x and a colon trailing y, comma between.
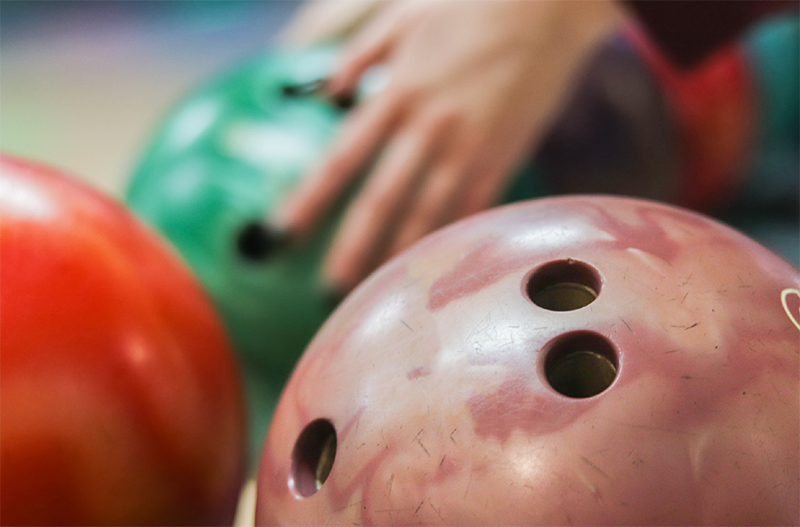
x: 223, y: 160
x: 220, y: 163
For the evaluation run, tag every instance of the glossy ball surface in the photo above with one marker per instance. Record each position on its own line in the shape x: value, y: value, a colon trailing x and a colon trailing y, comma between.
x: 220, y: 163
x: 576, y: 360
x: 120, y: 398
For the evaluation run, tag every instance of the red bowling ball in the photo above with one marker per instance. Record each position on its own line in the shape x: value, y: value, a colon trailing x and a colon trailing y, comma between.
x: 574, y: 360
x: 120, y: 397
x: 716, y: 113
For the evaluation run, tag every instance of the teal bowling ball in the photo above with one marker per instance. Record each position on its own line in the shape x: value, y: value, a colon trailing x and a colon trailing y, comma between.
x: 220, y: 163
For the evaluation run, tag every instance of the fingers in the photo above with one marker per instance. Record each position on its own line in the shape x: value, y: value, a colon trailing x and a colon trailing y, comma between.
x: 433, y: 206
x: 459, y: 187
x: 486, y: 192
x: 372, y: 217
x: 324, y: 20
x: 493, y: 172
x: 369, y: 47
x: 360, y: 136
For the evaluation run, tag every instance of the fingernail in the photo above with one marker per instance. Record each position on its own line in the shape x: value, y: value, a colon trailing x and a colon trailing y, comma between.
x: 258, y: 241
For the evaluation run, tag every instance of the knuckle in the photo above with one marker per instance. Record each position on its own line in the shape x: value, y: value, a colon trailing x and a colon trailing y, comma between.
x: 378, y: 201
x: 439, y: 118
x: 403, y: 95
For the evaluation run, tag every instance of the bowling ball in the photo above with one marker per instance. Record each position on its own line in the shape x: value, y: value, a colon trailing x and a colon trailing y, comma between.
x: 722, y: 138
x: 767, y: 206
x: 223, y: 160
x: 633, y: 112
x: 715, y: 116
x: 220, y: 163
x: 616, y: 126
x: 120, y: 399
x: 573, y: 360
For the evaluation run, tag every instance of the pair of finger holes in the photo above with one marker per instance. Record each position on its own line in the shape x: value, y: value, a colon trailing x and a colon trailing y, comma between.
x: 576, y: 365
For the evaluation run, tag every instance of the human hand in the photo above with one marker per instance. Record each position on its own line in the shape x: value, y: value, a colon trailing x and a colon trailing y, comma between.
x: 473, y: 85
x: 325, y: 21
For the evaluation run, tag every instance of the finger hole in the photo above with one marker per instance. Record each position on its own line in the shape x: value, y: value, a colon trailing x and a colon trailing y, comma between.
x: 581, y: 364
x: 564, y: 285
x: 256, y: 242
x: 313, y: 457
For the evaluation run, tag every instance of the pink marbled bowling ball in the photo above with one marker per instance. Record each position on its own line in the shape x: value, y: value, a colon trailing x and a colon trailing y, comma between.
x: 575, y: 360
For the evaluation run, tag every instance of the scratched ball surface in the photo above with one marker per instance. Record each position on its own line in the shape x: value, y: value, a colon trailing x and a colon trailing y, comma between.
x: 575, y: 360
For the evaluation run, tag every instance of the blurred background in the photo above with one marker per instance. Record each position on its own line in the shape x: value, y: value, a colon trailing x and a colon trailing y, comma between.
x: 84, y: 84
